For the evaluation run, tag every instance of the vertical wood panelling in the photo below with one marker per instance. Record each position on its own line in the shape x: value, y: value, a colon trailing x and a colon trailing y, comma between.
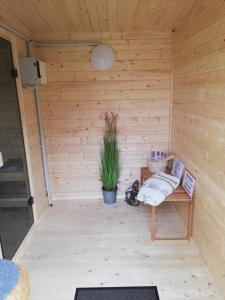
x: 36, y: 163
x: 31, y: 134
x: 198, y: 123
x: 76, y: 98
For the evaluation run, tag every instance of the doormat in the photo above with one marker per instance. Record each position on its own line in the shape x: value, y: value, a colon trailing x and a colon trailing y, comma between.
x: 118, y: 293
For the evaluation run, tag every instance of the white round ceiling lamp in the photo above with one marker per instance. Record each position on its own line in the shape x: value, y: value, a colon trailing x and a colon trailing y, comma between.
x: 102, y: 57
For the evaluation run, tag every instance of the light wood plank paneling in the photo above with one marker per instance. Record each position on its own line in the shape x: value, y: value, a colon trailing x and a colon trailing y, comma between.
x: 102, y: 246
x: 36, y: 163
x: 44, y: 17
x: 33, y: 140
x: 198, y: 123
x: 77, y: 96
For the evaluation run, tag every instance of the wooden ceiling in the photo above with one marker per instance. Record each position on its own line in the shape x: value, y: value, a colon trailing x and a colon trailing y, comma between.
x: 44, y: 17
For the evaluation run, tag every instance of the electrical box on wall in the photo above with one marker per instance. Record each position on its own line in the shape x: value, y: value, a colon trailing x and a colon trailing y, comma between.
x: 32, y: 71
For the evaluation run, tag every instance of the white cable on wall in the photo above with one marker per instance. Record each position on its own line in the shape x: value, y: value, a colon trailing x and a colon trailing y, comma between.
x: 43, y: 145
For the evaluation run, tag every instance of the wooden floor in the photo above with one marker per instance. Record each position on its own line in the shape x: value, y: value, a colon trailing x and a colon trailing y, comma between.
x: 87, y: 243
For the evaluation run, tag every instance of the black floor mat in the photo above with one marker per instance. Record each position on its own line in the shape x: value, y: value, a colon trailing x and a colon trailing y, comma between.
x: 117, y: 293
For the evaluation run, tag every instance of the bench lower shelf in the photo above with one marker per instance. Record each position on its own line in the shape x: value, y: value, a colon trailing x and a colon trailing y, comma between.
x: 178, y: 196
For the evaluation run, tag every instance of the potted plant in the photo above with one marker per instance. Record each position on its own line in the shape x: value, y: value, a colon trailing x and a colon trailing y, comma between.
x: 109, y: 169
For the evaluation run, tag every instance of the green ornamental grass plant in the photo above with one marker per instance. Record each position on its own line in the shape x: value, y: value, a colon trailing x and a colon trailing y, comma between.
x: 110, y: 169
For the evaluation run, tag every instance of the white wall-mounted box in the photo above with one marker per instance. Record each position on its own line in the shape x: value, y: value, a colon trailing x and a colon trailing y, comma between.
x: 32, y: 71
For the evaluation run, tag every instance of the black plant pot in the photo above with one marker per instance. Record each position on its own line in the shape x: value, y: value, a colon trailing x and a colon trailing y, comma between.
x: 109, y: 196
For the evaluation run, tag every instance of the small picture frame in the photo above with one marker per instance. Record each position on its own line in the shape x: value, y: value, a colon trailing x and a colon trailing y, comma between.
x: 188, y: 183
x: 157, y: 155
x: 177, y: 169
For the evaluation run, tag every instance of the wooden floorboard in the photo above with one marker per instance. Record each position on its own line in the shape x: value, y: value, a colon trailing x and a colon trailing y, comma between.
x: 87, y: 243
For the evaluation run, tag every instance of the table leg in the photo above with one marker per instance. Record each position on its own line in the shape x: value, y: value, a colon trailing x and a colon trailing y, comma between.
x: 190, y: 213
x: 153, y: 228
x: 142, y: 179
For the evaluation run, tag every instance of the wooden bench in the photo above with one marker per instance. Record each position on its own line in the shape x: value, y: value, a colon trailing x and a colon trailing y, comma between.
x: 179, y: 195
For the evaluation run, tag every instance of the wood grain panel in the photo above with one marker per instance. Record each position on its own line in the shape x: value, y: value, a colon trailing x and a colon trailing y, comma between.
x: 77, y: 96
x: 32, y: 136
x: 198, y: 123
x: 90, y: 229
x: 44, y: 17
x: 36, y: 163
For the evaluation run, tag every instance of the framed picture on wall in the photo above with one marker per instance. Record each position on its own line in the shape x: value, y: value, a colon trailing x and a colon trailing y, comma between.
x: 158, y: 155
x: 177, y: 169
x: 188, y: 183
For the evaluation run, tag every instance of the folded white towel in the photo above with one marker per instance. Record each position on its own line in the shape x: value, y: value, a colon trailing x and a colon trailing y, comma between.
x: 157, y: 188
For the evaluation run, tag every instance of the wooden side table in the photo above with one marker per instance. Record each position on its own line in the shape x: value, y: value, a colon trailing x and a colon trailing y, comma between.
x: 179, y: 195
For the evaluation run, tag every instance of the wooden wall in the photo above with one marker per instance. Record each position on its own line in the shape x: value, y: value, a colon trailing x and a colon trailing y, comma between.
x: 198, y: 123
x: 38, y: 18
x: 30, y: 130
x: 36, y: 165
x: 77, y: 96
x: 32, y: 136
